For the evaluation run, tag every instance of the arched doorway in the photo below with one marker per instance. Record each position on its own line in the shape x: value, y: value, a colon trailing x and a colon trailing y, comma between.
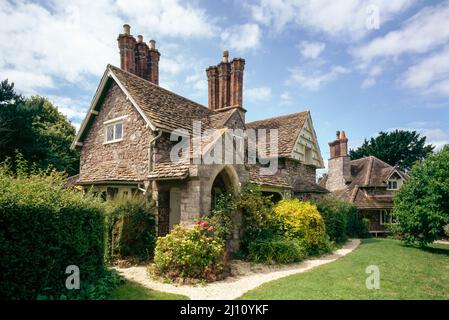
x: 224, y: 182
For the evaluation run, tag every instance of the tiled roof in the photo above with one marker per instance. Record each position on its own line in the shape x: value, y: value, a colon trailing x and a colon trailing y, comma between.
x: 301, y: 185
x: 275, y: 180
x: 367, y: 185
x: 169, y: 170
x: 289, y: 127
x: 162, y: 107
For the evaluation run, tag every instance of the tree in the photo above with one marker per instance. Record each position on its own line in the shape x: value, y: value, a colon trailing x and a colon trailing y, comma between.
x: 34, y: 127
x: 421, y: 206
x: 398, y: 148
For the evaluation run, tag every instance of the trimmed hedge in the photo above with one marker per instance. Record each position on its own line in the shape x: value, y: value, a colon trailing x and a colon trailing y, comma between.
x: 130, y: 229
x: 43, y: 229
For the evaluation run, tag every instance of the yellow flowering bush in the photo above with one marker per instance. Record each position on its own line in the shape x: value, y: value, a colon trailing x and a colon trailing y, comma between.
x: 301, y: 220
x: 189, y: 252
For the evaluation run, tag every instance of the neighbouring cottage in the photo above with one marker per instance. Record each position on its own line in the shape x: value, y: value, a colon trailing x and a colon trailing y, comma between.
x: 125, y: 139
x: 369, y: 183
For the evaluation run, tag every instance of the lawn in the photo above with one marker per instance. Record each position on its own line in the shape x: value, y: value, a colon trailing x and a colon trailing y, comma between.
x: 405, y: 273
x: 133, y: 291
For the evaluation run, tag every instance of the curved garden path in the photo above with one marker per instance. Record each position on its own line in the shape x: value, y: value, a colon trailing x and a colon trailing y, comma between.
x: 246, y: 277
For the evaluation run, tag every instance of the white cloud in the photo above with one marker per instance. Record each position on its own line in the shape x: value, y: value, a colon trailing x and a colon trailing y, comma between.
x: 431, y: 75
x: 344, y: 18
x: 419, y: 34
x: 74, y: 109
x: 258, y: 94
x: 286, y: 98
x: 311, y: 50
x: 368, y: 83
x: 314, y: 80
x: 65, y: 42
x: 439, y: 138
x: 242, y: 37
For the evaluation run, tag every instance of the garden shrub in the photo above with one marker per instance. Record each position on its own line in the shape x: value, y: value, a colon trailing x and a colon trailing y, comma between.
x: 277, y: 250
x: 335, y: 213
x: 189, y: 253
x: 301, y: 220
x: 130, y: 229
x: 258, y: 220
x: 221, y: 216
x: 44, y: 228
x: 421, y: 206
x: 341, y: 219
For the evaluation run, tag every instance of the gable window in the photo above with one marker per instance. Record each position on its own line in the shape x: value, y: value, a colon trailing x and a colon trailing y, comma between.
x: 392, y: 185
x: 394, y: 182
x: 114, y: 130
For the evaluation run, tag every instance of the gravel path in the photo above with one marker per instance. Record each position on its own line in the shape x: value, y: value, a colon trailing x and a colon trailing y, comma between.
x: 246, y: 276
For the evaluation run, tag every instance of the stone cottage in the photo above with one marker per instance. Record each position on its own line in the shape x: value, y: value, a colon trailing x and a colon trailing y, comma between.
x: 369, y: 183
x: 126, y: 146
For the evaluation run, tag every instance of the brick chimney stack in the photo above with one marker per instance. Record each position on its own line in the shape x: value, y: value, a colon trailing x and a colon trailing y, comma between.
x: 153, y: 61
x: 127, y: 46
x: 339, y: 163
x: 137, y: 57
x: 225, y: 83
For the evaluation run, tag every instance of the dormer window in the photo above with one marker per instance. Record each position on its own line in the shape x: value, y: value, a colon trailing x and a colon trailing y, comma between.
x: 114, y: 130
x: 394, y: 182
x: 392, y: 185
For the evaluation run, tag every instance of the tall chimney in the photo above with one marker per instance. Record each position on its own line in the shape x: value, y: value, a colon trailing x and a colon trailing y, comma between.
x: 212, y: 86
x: 237, y: 67
x: 153, y: 62
x: 138, y: 57
x: 225, y: 83
x: 142, y: 58
x: 339, y: 163
x: 127, y: 46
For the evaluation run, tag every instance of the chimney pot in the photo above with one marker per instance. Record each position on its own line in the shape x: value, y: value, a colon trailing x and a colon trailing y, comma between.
x: 338, y: 135
x: 225, y: 56
x: 126, y: 29
x: 139, y: 38
x: 343, y: 135
x: 152, y: 45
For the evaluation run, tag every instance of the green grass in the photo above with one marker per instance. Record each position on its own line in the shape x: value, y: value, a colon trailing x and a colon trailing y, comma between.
x: 405, y: 273
x: 133, y: 291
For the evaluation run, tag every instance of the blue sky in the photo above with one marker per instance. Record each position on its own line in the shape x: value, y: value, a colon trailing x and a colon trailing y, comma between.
x: 300, y: 55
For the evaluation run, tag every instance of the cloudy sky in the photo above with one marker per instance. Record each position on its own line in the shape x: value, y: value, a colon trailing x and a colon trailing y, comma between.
x: 354, y: 72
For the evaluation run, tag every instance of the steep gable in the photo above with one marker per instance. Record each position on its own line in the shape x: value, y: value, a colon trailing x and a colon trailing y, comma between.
x: 295, y: 134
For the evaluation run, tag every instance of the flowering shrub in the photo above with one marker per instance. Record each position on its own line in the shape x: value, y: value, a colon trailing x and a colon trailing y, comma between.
x: 301, y: 220
x: 190, y: 253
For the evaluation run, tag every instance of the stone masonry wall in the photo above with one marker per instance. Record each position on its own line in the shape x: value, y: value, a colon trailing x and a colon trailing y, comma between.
x: 336, y: 174
x: 124, y: 160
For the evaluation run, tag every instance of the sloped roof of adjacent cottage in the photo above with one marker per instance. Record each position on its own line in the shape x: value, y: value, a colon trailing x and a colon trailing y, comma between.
x: 367, y: 174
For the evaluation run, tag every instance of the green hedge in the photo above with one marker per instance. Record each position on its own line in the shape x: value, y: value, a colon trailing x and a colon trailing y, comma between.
x: 130, y: 229
x: 341, y: 219
x: 43, y: 229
